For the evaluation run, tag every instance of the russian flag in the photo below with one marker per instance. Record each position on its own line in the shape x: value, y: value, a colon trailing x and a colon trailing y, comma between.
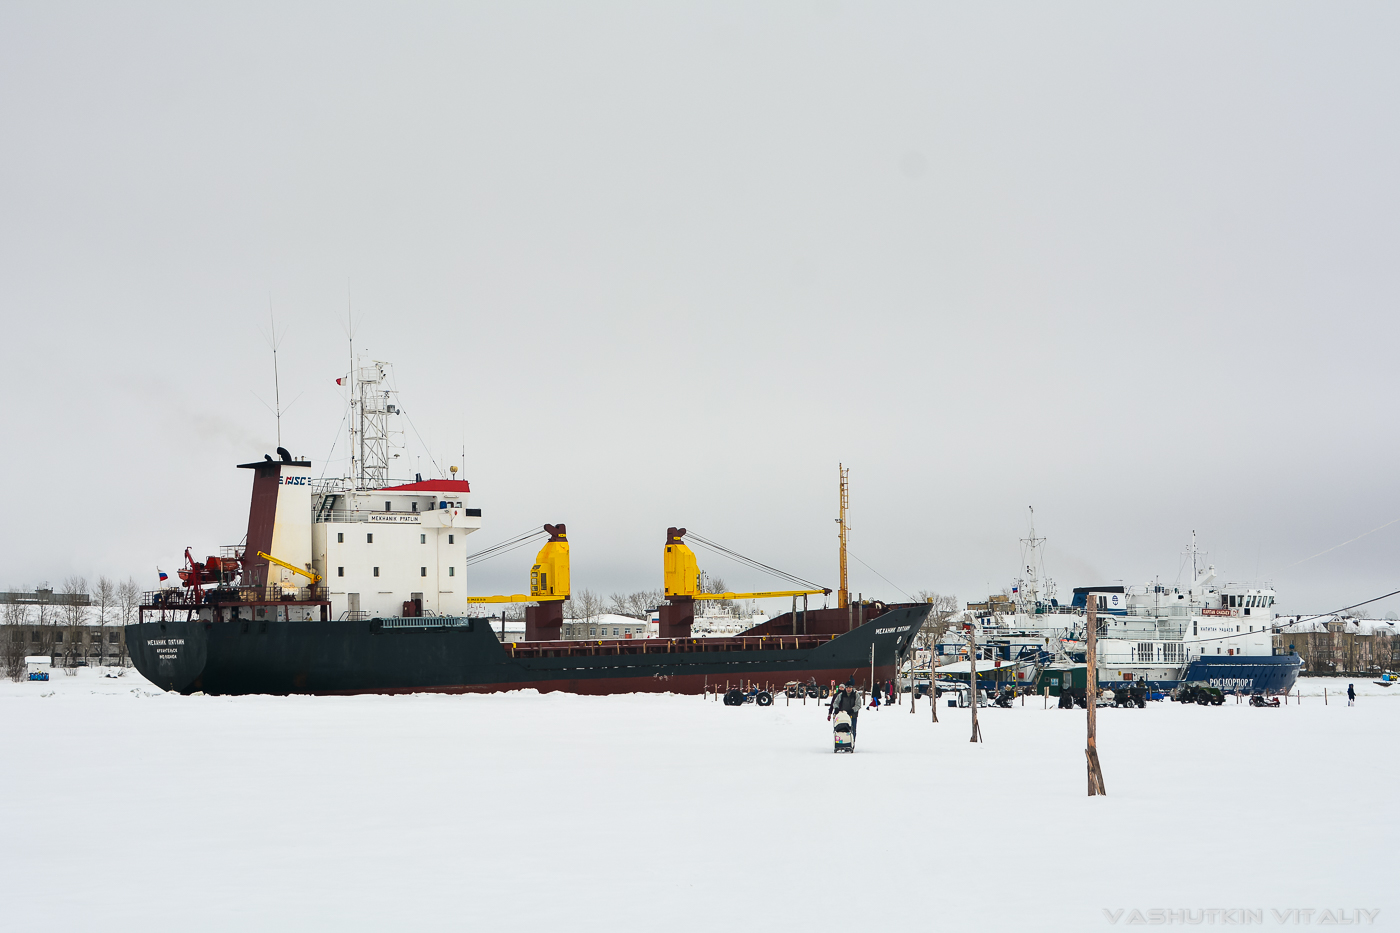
x: 163, y: 576
x: 1015, y: 589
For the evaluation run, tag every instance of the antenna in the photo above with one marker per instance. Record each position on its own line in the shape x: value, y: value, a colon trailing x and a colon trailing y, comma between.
x: 276, y: 381
x: 843, y: 595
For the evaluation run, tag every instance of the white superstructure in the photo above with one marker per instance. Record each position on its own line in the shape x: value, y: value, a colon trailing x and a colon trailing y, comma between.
x: 386, y: 548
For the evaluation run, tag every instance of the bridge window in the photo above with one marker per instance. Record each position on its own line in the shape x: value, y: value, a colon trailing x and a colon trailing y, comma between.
x: 340, y: 537
x: 452, y: 571
x: 422, y: 539
x: 422, y: 571
x: 415, y: 505
x: 376, y: 571
x: 369, y: 539
x: 451, y: 538
x: 340, y: 571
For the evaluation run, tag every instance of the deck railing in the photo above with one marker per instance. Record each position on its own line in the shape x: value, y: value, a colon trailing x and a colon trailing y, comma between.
x: 378, y: 517
x: 182, y: 598
x: 644, y: 646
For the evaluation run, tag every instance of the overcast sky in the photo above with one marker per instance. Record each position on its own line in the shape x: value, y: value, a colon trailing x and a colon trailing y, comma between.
x: 668, y: 264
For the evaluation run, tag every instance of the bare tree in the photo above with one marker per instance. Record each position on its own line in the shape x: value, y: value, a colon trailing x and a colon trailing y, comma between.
x: 588, y: 605
x: 128, y: 601
x: 105, y: 596
x: 73, y: 617
x: 15, y: 634
x: 641, y: 603
x: 945, y: 606
x: 709, y: 584
x: 635, y: 605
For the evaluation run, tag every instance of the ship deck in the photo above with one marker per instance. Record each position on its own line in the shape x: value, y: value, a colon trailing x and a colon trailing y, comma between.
x: 642, y: 646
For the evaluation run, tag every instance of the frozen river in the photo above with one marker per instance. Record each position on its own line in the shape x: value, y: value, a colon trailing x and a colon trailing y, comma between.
x: 128, y: 809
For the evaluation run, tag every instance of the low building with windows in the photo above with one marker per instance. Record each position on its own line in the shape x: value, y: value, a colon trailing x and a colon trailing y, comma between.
x: 70, y: 645
x: 609, y: 625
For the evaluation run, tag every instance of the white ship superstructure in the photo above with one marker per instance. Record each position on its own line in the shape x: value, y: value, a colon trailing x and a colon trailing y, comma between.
x: 386, y: 548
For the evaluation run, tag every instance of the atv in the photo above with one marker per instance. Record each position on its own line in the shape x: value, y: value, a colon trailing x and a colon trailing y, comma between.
x: 738, y: 697
x: 1135, y: 695
x: 1258, y: 700
x: 1201, y: 694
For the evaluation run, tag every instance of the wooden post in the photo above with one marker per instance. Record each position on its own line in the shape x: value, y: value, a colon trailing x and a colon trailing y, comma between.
x: 1091, y: 699
x: 1324, y: 696
x: 972, y: 680
x: 933, y: 680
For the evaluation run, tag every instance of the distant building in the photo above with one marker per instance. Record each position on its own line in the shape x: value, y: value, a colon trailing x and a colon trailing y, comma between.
x: 609, y: 625
x: 60, y: 626
x: 69, y: 645
x: 1339, y: 645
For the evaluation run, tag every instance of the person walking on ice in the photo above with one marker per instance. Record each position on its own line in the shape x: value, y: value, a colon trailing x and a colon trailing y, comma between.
x: 1351, y: 694
x: 845, y: 700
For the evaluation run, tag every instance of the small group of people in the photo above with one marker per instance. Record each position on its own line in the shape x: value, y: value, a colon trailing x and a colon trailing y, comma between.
x: 845, y: 699
x: 885, y: 692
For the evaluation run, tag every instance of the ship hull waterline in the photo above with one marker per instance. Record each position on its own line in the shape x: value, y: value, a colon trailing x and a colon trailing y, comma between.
x: 346, y: 658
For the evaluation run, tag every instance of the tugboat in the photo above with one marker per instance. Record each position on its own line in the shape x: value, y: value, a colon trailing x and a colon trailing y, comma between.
x: 359, y: 585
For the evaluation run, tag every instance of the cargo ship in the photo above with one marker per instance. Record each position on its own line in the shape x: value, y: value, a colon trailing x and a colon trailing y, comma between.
x: 358, y: 585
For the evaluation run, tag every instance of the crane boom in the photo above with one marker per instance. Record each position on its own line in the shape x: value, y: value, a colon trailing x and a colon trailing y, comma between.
x: 309, y: 574
x: 768, y: 595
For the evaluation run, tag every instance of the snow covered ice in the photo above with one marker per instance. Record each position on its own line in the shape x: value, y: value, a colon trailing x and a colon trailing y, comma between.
x: 130, y: 809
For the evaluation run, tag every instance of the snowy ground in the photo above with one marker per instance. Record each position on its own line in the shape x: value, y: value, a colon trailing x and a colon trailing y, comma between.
x: 129, y: 809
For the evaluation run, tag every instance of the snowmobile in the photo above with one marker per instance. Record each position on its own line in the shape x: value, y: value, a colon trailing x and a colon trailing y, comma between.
x: 845, y: 736
x: 1258, y: 700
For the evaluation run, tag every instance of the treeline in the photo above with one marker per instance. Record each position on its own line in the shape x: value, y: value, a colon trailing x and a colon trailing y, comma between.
x: 58, y: 624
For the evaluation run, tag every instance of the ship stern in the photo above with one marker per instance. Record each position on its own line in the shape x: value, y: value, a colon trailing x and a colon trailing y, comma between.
x: 169, y: 654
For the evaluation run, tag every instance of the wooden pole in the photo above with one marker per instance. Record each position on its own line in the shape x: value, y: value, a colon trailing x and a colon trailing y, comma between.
x: 933, y: 680
x: 1091, y: 698
x: 972, y: 681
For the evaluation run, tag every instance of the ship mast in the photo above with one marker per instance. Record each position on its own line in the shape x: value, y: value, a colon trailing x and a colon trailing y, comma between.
x: 350, y: 336
x: 843, y: 594
x: 374, y: 427
x: 1028, y: 588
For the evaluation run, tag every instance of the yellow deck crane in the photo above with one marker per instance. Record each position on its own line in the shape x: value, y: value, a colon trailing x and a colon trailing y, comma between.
x: 681, y: 574
x: 311, y: 575
x: 549, y: 587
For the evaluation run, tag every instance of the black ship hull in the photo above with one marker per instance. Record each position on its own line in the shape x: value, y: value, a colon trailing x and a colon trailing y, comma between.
x: 459, y: 655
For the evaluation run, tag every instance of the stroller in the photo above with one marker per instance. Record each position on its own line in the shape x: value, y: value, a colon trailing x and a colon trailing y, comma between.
x: 845, y: 735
